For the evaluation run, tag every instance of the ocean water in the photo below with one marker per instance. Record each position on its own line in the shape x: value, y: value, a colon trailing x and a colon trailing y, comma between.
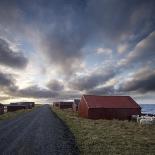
x: 148, y: 108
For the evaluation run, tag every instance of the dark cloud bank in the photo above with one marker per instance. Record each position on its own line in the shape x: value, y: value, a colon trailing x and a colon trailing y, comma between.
x: 10, y: 58
x: 92, y: 80
x: 7, y: 83
x: 143, y: 81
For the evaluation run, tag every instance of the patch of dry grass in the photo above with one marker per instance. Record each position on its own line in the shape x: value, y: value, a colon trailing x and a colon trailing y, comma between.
x: 109, y: 137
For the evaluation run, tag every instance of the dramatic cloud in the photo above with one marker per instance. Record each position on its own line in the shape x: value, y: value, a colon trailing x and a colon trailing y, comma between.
x: 7, y: 82
x: 65, y: 38
x: 92, y: 80
x: 143, y: 52
x: 7, y: 85
x: 4, y: 97
x: 142, y: 81
x: 104, y: 51
x: 117, y: 20
x: 35, y: 92
x: 11, y: 58
x: 55, y: 85
x: 106, y: 90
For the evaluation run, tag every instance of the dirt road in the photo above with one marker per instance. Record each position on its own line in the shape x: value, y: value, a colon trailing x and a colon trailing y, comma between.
x: 38, y: 132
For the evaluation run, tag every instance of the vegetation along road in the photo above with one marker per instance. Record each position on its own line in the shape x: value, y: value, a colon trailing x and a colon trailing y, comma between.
x: 39, y: 132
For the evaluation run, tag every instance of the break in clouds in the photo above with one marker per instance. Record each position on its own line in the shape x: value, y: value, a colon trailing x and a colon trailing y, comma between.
x: 66, y: 48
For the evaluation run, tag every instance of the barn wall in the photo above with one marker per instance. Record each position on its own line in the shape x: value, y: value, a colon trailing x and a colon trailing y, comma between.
x: 83, y: 108
x: 115, y: 113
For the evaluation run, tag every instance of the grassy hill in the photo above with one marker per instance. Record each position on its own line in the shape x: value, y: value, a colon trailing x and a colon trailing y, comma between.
x: 109, y: 137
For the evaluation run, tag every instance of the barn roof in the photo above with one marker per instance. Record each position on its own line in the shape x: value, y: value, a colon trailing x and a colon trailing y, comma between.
x: 110, y: 101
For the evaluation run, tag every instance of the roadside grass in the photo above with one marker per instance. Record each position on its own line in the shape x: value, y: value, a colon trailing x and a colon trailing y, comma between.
x: 11, y: 115
x: 109, y: 137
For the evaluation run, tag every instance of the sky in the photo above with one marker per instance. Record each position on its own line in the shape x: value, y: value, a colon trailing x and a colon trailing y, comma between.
x: 60, y: 49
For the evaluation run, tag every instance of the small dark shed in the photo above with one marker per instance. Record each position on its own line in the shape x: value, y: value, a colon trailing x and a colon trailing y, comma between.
x: 75, y: 105
x: 1, y: 109
x: 11, y: 108
x: 108, y: 107
x: 55, y: 104
x: 28, y: 105
x: 65, y: 105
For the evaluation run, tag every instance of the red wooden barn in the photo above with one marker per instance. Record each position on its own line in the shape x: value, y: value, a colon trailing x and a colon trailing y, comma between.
x: 1, y: 109
x: 108, y: 107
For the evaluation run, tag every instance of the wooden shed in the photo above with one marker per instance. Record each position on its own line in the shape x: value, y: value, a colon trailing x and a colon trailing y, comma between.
x: 55, y: 104
x: 108, y: 107
x: 1, y: 109
x: 11, y: 108
x: 28, y: 105
x: 64, y: 104
x: 75, y: 105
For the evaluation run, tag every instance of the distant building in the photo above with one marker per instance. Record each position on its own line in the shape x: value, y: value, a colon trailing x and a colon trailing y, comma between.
x: 63, y: 104
x: 55, y: 104
x: 108, y: 107
x: 75, y: 105
x: 14, y: 107
x: 1, y: 109
x: 29, y: 105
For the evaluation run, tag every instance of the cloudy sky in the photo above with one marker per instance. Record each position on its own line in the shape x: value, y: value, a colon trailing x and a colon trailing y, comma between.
x: 60, y: 49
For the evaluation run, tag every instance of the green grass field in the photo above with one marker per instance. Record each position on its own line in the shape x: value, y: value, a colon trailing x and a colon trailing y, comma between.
x: 10, y: 115
x: 109, y: 137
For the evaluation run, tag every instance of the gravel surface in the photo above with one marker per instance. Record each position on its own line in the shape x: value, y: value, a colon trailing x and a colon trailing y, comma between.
x: 39, y: 132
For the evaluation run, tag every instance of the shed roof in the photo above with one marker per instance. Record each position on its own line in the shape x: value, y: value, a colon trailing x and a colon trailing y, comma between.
x: 110, y: 101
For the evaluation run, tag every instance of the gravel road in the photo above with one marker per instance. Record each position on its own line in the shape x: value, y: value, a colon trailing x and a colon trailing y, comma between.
x: 39, y: 132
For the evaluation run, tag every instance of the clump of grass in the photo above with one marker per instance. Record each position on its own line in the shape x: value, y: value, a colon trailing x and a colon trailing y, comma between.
x: 109, y: 137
